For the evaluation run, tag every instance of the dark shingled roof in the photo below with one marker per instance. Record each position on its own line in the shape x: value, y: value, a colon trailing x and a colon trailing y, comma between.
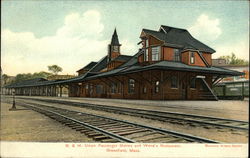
x: 88, y: 66
x: 101, y: 64
x: 133, y: 60
x: 115, y: 40
x: 179, y: 38
x: 168, y: 65
x: 123, y: 58
x: 26, y: 82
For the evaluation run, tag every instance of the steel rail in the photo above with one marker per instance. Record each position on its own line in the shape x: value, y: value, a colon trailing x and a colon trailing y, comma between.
x: 160, y: 114
x: 163, y: 131
x: 110, y: 134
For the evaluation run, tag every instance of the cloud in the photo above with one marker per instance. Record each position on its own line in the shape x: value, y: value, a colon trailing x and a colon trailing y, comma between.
x: 206, y: 28
x: 240, y: 49
x: 73, y: 45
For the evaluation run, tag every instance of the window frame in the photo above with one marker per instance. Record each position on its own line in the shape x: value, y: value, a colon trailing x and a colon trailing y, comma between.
x: 146, y: 54
x: 131, y: 86
x: 99, y: 89
x: 144, y: 90
x: 157, y: 86
x: 155, y: 52
x: 113, y: 88
x: 174, y: 82
x: 192, y: 57
x: 177, y: 54
x: 193, y: 83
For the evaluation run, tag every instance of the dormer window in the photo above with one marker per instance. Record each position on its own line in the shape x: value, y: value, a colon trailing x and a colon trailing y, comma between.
x: 176, y: 55
x: 192, y: 58
x: 156, y: 53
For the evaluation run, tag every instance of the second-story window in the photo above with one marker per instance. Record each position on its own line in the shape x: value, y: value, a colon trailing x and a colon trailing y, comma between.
x: 156, y: 53
x: 192, y: 59
x: 146, y: 55
x: 177, y: 55
x: 146, y: 43
x: 131, y: 86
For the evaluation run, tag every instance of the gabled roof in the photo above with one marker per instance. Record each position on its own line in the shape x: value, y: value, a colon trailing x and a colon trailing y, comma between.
x: 179, y: 38
x: 133, y: 60
x: 115, y: 40
x: 88, y: 66
x: 101, y: 64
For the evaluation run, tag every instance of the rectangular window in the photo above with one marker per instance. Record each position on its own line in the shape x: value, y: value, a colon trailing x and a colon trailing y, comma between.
x: 192, y: 58
x: 156, y: 53
x: 91, y: 89
x: 193, y: 83
x: 147, y: 44
x: 177, y: 55
x: 113, y: 87
x: 146, y: 55
x: 131, y: 86
x: 157, y: 86
x: 99, y: 89
x: 174, y: 82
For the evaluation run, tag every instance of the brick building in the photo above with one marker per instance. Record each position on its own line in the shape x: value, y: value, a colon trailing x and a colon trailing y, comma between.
x: 171, y: 64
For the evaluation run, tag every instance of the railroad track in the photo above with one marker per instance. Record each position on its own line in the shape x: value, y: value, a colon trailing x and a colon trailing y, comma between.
x: 172, y: 117
x: 110, y: 130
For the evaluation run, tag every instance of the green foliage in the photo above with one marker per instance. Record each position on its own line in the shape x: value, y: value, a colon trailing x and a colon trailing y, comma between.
x: 5, y: 79
x: 55, y: 69
x: 233, y: 60
x: 27, y: 76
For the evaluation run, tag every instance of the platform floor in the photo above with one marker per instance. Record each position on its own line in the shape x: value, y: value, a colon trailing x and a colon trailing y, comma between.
x: 231, y: 109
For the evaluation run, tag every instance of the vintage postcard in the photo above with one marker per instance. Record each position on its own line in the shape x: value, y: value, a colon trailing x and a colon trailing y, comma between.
x: 124, y: 78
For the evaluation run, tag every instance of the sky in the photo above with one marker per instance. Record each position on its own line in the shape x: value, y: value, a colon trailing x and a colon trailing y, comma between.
x: 38, y: 33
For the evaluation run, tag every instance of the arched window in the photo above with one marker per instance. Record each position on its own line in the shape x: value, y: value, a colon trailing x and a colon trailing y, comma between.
x: 131, y: 86
x: 157, y: 86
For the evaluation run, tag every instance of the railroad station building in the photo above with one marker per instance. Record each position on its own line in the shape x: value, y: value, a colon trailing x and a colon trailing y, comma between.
x: 170, y: 65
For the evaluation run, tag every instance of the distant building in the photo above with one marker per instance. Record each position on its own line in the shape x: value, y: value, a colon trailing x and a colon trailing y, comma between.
x: 241, y: 68
x: 59, y: 77
x: 219, y: 62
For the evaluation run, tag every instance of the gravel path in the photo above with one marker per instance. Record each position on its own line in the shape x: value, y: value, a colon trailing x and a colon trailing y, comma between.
x: 26, y: 125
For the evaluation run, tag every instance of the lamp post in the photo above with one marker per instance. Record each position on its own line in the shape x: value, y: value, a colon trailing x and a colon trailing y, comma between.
x: 14, y: 102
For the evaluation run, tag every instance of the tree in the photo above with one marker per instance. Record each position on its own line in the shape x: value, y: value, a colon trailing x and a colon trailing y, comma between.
x: 55, y: 69
x: 233, y: 60
x: 41, y: 74
x: 5, y: 79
